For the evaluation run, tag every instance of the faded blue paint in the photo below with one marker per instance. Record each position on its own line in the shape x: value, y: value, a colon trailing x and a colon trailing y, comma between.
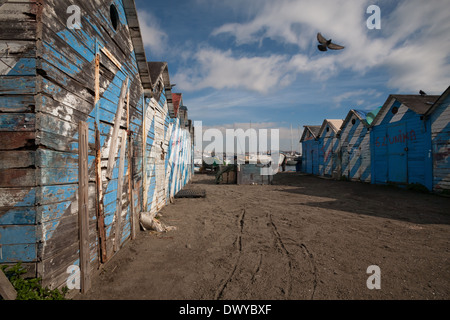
x: 18, y: 85
x: 16, y: 103
x: 18, y: 234
x: 18, y: 216
x: 17, y: 122
x: 24, y: 67
x: 54, y: 211
x: 18, y: 252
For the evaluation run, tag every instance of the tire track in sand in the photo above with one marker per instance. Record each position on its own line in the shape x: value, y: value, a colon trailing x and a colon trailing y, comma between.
x: 292, y: 263
x: 219, y: 292
x: 282, y: 248
x: 313, y: 267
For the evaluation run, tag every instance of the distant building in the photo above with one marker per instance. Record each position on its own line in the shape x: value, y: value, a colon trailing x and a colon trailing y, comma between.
x: 310, y: 149
x: 328, y: 147
x: 354, y: 148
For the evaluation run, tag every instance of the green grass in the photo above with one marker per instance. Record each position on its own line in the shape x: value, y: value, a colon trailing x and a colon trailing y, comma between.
x: 30, y: 288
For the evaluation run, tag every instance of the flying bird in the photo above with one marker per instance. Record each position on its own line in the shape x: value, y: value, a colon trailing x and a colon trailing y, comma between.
x: 327, y: 44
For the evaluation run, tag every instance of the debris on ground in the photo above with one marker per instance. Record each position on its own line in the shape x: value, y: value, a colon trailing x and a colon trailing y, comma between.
x: 149, y: 222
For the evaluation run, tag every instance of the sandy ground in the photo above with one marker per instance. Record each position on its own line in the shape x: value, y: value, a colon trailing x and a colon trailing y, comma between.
x: 302, y: 238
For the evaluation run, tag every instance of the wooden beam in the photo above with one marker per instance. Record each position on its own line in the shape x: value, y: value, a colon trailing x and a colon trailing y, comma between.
x: 116, y: 129
x: 130, y: 187
x: 118, y: 233
x: 100, y: 206
x: 97, y: 78
x: 128, y: 109
x: 83, y: 200
x: 7, y: 291
x: 144, y: 156
x: 112, y: 58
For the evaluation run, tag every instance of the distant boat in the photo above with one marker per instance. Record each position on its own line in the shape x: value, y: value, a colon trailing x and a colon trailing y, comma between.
x: 291, y: 162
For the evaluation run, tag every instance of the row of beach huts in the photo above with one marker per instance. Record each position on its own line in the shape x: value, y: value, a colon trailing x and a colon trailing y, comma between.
x: 405, y: 142
x: 91, y: 136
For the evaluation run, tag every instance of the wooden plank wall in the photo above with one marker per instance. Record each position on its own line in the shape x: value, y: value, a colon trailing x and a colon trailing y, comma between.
x: 440, y: 135
x: 18, y: 189
x: 66, y: 94
x: 180, y: 164
x: 354, y: 150
x: 55, y: 77
x: 168, y: 157
x: 329, y: 143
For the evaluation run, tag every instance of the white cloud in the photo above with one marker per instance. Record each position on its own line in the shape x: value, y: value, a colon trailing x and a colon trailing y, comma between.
x: 221, y: 70
x: 351, y: 95
x: 413, y: 45
x: 154, y: 38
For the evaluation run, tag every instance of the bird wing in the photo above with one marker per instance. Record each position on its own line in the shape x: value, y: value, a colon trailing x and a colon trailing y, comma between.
x: 321, y: 39
x: 334, y: 46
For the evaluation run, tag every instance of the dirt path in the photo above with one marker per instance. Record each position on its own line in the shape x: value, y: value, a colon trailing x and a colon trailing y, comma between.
x: 301, y: 238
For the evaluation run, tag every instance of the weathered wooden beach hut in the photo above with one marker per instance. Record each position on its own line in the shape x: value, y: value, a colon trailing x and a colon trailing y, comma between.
x: 328, y: 147
x: 439, y: 115
x: 83, y: 131
x: 310, y: 149
x: 354, y: 145
x: 401, y: 141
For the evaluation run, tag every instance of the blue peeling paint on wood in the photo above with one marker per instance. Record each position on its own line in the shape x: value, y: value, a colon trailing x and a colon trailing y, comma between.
x: 18, y: 85
x: 18, y: 234
x: 18, y: 253
x: 18, y: 216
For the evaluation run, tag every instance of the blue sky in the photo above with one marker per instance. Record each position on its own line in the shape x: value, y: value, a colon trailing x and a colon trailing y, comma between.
x: 256, y: 61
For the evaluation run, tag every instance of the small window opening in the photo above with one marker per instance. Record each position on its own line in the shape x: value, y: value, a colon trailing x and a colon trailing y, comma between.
x: 353, y: 121
x: 114, y: 15
x: 328, y: 129
x: 394, y: 110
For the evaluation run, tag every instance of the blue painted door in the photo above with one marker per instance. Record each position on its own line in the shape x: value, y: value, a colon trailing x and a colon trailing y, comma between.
x: 309, y: 164
x: 397, y: 154
x: 315, y: 159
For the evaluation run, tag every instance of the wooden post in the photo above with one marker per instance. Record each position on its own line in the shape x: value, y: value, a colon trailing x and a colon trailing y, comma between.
x: 98, y: 164
x: 118, y: 232
x: 97, y: 78
x: 83, y: 198
x: 144, y: 156
x: 100, y: 207
x: 7, y: 290
x: 131, y: 187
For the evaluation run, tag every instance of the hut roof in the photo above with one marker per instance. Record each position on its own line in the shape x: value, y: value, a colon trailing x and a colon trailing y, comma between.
x: 138, y: 45
x: 156, y: 69
x: 313, y: 129
x: 334, y: 124
x: 417, y: 103
x: 176, y: 100
x: 366, y: 117
x: 439, y: 101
